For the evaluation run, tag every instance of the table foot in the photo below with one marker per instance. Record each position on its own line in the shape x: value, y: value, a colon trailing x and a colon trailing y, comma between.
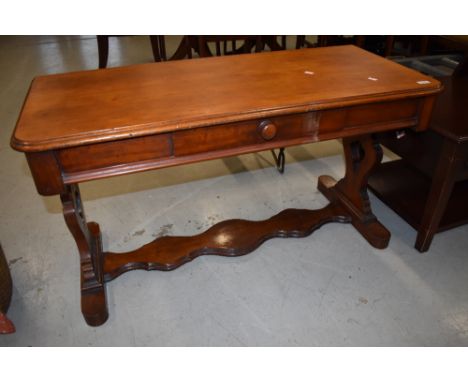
x: 362, y: 154
x: 94, y: 306
x: 93, y: 297
x: 368, y: 226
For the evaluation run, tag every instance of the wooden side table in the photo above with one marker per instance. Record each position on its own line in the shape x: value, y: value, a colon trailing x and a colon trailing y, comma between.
x: 428, y: 187
x: 77, y: 127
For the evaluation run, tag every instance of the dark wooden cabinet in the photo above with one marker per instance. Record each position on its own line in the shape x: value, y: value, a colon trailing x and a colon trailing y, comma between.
x: 6, y: 326
x: 428, y: 187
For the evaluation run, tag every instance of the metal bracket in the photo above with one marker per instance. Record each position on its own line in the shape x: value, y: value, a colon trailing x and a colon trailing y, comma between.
x: 279, y: 159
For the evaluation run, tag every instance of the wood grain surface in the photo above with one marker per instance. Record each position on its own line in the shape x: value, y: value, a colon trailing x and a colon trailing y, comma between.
x: 85, y: 107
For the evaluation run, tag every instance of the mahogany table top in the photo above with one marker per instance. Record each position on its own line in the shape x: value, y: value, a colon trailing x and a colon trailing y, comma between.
x: 73, y: 109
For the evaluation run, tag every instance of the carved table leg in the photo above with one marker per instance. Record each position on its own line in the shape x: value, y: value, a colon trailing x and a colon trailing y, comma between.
x: 88, y: 240
x: 362, y: 154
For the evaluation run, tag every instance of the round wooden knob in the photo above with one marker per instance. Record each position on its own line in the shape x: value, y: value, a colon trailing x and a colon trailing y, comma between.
x: 267, y: 130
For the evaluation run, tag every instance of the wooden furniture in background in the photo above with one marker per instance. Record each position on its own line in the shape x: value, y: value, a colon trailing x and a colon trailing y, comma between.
x: 77, y: 127
x: 381, y: 45
x: 103, y: 49
x: 329, y: 40
x: 190, y: 45
x: 428, y: 187
x: 221, y: 43
x: 451, y: 44
x: 6, y: 326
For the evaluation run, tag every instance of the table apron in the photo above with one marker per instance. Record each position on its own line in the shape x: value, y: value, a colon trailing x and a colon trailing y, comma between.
x: 101, y: 160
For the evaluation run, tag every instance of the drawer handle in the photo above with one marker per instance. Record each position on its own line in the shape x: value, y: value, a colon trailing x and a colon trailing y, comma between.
x: 267, y: 130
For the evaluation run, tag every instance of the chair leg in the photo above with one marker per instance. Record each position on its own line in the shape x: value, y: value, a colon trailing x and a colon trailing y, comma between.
x: 202, y: 47
x: 322, y: 40
x: 279, y: 159
x: 156, y: 48
x: 300, y: 41
x: 103, y: 50
x: 283, y: 42
x: 259, y: 45
x: 162, y: 48
x: 389, y: 42
x: 360, y: 40
x: 424, y: 45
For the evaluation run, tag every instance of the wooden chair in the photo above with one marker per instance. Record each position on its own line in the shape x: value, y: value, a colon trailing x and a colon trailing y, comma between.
x: 190, y: 45
x: 248, y: 43
x: 324, y: 40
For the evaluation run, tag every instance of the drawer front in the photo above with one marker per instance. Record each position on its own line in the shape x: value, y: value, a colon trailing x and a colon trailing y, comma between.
x: 109, y: 154
x: 382, y: 112
x: 295, y: 128
x: 105, y: 159
x: 257, y: 133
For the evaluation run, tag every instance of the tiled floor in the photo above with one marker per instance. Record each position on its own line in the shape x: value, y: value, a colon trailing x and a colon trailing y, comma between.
x: 331, y: 288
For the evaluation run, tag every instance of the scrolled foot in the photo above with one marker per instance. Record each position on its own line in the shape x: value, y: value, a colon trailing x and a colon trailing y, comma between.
x: 94, y: 307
